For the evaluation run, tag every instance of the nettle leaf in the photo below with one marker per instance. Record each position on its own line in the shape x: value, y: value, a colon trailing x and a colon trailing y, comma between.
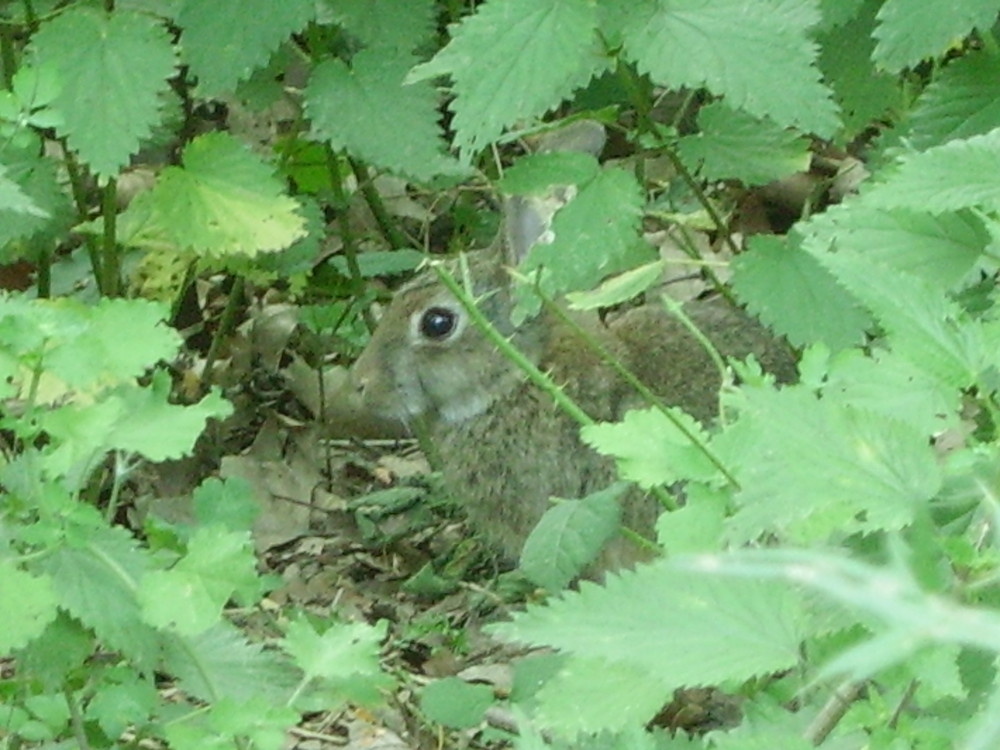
x: 650, y: 449
x: 838, y: 12
x: 31, y: 606
x: 729, y: 47
x: 910, y: 31
x: 734, y: 145
x: 225, y: 40
x: 810, y: 467
x: 113, y: 69
x: 593, y: 236
x: 96, y: 581
x: 220, y: 663
x: 15, y: 201
x: 513, y: 60
x: 536, y: 174
x: 790, y: 291
x: 190, y: 596
x: 962, y: 101
x: 863, y: 93
x: 223, y: 201
x: 956, y: 175
x: 941, y: 249
x: 676, y: 628
x: 367, y: 110
x: 398, y: 24
x: 35, y: 177
x: 455, y: 703
x: 341, y: 650
x: 569, y: 537
x: 924, y: 325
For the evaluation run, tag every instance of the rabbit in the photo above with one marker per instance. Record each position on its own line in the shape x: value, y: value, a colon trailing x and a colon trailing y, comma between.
x: 504, y: 448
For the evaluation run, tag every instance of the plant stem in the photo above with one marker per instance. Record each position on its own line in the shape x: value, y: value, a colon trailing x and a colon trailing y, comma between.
x: 8, y: 60
x: 80, y: 201
x: 226, y: 324
x: 386, y: 225
x: 109, y: 248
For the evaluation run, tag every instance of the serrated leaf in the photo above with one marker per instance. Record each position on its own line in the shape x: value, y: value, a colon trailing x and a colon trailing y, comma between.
x: 924, y: 325
x: 677, y: 628
x: 513, y: 60
x: 570, y: 536
x: 223, y: 201
x: 35, y: 176
x: 619, y: 288
x: 810, y: 468
x: 31, y: 606
x: 962, y: 101
x: 15, y: 201
x: 863, y: 93
x: 959, y: 174
x: 455, y: 703
x: 113, y: 70
x: 650, y: 449
x: 230, y: 503
x: 225, y: 40
x: 220, y: 663
x: 593, y: 695
x: 397, y: 24
x: 593, y: 236
x: 734, y: 145
x: 793, y: 294
x: 367, y: 110
x: 342, y: 650
x: 912, y: 30
x: 941, y: 249
x: 535, y: 174
x: 189, y: 597
x: 97, y: 581
x: 697, y: 526
x: 729, y: 47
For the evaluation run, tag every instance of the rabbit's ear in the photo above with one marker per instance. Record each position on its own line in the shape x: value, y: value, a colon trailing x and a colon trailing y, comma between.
x: 584, y: 136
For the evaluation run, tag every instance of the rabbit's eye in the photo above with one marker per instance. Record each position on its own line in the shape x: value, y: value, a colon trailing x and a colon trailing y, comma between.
x: 437, y: 323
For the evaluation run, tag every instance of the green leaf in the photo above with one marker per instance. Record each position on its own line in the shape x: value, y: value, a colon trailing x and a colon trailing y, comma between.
x: 909, y: 32
x: 697, y: 526
x: 959, y: 174
x: 224, y: 40
x: 343, y: 649
x: 792, y: 293
x: 513, y: 60
x: 31, y: 606
x: 97, y: 582
x: 570, y: 536
x: 676, y: 628
x: 36, y: 178
x: 810, y: 468
x: 619, y: 288
x: 536, y: 174
x: 650, y: 448
x: 396, y: 24
x: 925, y: 326
x: 113, y: 70
x: 592, y: 237
x: 942, y: 249
x: 15, y: 201
x: 730, y: 47
x: 367, y: 110
x: 455, y: 703
x: 223, y: 201
x: 962, y: 101
x: 230, y: 503
x: 592, y: 695
x: 124, y: 699
x: 863, y: 93
x: 190, y: 596
x: 220, y: 663
x: 734, y: 145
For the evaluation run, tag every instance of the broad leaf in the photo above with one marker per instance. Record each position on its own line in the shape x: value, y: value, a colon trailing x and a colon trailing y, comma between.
x: 730, y: 47
x: 793, y: 294
x: 912, y: 30
x: 223, y: 201
x: 674, y: 627
x: 113, y: 70
x: 225, y: 40
x: 367, y: 110
x: 513, y: 60
x: 31, y: 606
x: 734, y: 145
x: 394, y: 24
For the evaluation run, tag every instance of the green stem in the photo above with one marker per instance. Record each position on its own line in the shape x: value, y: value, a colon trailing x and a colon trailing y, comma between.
x: 386, y: 225
x: 695, y: 187
x: 79, y: 191
x: 110, y: 258
x: 226, y: 324
x: 346, y: 235
x: 76, y: 721
x: 8, y: 59
x: 43, y: 274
